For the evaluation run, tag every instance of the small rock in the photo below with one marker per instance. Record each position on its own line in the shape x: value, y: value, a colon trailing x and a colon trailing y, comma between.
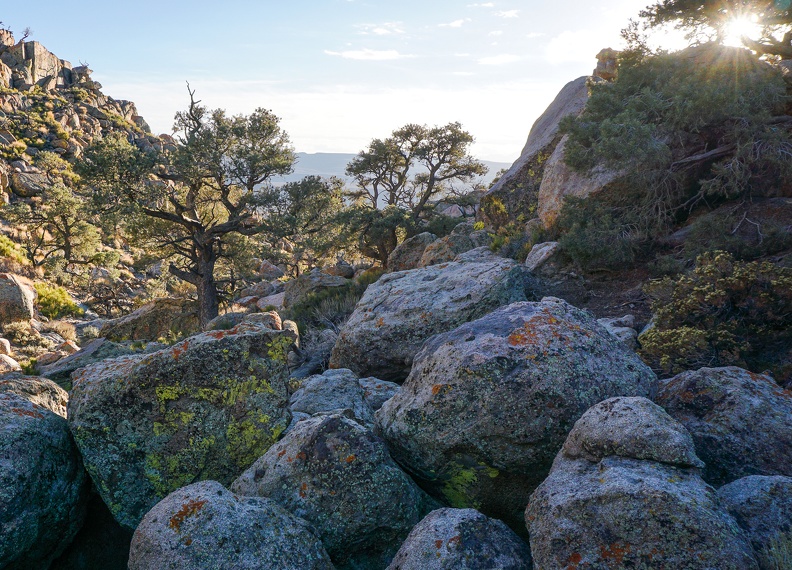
x: 407, y: 254
x: 335, y: 390
x: 376, y: 392
x: 8, y: 364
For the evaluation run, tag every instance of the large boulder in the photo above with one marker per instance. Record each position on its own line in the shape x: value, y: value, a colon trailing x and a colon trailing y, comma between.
x: 334, y: 390
x: 625, y: 492
x: 515, y: 191
x: 40, y: 391
x: 408, y: 253
x: 337, y: 475
x: 205, y: 408
x: 488, y: 405
x: 762, y: 507
x: 204, y: 525
x: 43, y: 486
x: 463, y: 238
x: 741, y: 422
x: 154, y: 320
x: 401, y: 310
x: 461, y: 539
x: 16, y: 298
x: 297, y: 290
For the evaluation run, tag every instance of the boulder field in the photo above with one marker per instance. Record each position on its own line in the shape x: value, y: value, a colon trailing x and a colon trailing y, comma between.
x: 526, y: 434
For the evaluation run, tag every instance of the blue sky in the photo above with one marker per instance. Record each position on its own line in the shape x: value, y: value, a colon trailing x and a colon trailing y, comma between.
x: 338, y: 72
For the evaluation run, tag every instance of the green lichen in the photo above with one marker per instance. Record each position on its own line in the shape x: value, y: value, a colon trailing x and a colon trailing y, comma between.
x: 460, y: 485
x: 250, y: 437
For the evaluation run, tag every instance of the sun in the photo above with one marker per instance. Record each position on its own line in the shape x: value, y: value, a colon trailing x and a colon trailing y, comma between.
x: 738, y: 27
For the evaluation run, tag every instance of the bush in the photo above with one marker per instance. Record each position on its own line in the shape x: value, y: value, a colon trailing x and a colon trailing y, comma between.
x: 725, y: 312
x: 66, y: 330
x: 11, y: 250
x: 598, y: 235
x: 664, y: 110
x: 55, y: 302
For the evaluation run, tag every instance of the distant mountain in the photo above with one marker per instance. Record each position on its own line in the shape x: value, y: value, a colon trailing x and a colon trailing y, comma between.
x: 334, y: 163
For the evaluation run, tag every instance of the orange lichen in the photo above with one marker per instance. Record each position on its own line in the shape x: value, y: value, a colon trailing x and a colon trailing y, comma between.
x: 573, y: 561
x: 438, y: 544
x: 26, y: 413
x: 350, y: 458
x: 615, y: 552
x: 189, y: 509
x: 303, y: 488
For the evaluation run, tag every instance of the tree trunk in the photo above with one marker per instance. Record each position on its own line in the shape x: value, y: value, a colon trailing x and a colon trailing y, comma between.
x: 208, y: 305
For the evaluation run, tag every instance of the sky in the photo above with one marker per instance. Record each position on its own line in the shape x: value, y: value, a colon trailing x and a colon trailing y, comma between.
x: 339, y: 73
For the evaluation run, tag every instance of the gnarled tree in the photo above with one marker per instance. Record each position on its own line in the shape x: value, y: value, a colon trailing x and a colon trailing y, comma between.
x: 206, y: 193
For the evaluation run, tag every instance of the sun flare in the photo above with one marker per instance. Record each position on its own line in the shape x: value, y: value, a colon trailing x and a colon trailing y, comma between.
x: 738, y: 27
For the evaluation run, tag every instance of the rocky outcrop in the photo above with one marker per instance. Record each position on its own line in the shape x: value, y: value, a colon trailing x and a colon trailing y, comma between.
x: 205, y: 526
x: 154, y: 320
x: 92, y: 351
x: 43, y: 486
x: 204, y: 408
x: 463, y: 238
x: 559, y: 181
x: 40, y: 391
x: 376, y: 392
x: 297, y: 290
x: 16, y: 298
x: 408, y: 253
x: 488, y: 405
x: 401, y: 310
x: 338, y: 476
x: 625, y: 492
x: 516, y: 191
x: 762, y: 506
x: 269, y: 271
x: 741, y: 422
x: 461, y: 539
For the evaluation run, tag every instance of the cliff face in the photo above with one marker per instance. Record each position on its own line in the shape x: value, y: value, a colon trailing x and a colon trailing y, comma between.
x: 46, y: 104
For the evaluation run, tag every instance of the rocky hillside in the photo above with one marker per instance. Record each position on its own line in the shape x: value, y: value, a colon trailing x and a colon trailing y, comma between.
x: 459, y: 408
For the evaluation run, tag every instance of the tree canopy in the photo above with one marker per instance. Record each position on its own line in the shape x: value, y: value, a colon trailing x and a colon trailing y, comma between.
x: 395, y: 179
x: 712, y: 18
x: 206, y: 193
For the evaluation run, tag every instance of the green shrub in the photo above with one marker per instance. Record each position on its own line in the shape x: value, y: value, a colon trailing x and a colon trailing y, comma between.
x: 725, y: 312
x: 55, y: 302
x: 598, y: 235
x: 777, y: 555
x: 664, y: 110
x: 12, y: 251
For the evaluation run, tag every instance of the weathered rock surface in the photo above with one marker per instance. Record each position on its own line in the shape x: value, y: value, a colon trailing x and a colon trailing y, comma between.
x: 408, y: 253
x: 334, y: 390
x: 625, y: 492
x: 376, y: 392
x: 337, y: 475
x: 43, y: 486
x: 560, y: 180
x: 270, y: 271
x: 154, y: 320
x: 622, y: 328
x: 16, y: 298
x: 93, y: 351
x: 540, y: 253
x: 205, y: 408
x: 461, y: 539
x: 515, y: 191
x: 8, y: 365
x: 40, y: 391
x: 488, y: 405
x: 206, y: 526
x: 741, y: 422
x: 340, y: 269
x: 463, y: 238
x: 297, y: 290
x: 762, y: 506
x: 401, y: 310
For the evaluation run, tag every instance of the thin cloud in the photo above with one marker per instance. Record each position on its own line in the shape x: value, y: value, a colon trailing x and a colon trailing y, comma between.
x: 484, y: 5
x: 454, y: 24
x: 496, y: 33
x: 508, y: 14
x: 369, y: 54
x: 386, y: 29
x: 502, y: 59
